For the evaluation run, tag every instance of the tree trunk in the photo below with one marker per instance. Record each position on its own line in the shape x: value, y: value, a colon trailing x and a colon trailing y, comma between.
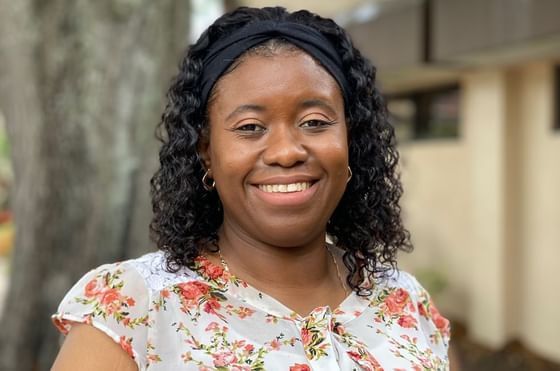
x: 81, y: 88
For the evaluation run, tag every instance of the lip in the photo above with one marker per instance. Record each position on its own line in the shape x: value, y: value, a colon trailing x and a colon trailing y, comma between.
x: 285, y: 180
x: 288, y: 199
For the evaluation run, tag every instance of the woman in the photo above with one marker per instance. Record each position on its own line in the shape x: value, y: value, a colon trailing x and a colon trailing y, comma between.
x: 275, y: 140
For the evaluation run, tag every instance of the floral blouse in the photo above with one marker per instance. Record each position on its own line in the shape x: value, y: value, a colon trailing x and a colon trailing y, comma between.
x: 207, y: 319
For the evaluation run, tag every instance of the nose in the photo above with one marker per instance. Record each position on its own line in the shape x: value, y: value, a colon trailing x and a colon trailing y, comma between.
x: 284, y: 147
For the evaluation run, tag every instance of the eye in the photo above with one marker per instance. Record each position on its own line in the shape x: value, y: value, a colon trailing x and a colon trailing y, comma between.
x: 316, y: 124
x: 250, y: 128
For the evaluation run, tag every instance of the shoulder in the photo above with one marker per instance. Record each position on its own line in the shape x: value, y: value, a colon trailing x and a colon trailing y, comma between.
x: 152, y: 269
x: 401, y: 292
x: 142, y: 275
x: 117, y: 291
x: 404, y: 280
x: 115, y: 299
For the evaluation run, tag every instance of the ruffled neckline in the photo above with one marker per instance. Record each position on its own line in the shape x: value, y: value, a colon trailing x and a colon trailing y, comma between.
x: 220, y: 278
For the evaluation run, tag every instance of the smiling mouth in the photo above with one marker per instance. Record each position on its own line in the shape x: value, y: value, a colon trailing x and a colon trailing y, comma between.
x: 285, y: 188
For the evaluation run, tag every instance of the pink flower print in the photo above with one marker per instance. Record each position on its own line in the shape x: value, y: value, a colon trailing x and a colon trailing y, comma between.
x: 300, y: 367
x: 305, y: 336
x: 212, y: 326
x: 187, y: 357
x: 63, y: 326
x: 249, y: 348
x: 201, y: 261
x: 126, y: 345
x: 422, y: 310
x: 441, y: 322
x: 354, y: 355
x: 338, y: 312
x: 213, y: 271
x: 92, y: 288
x: 275, y: 344
x: 238, y: 344
x: 411, y: 307
x: 366, y: 360
x: 339, y: 329
x: 109, y: 296
x: 224, y: 359
x: 396, y: 301
x: 210, y: 270
x: 408, y: 339
x: 243, y: 312
x: 211, y: 306
x: 192, y: 291
x: 153, y: 358
x: 426, y: 363
x: 407, y: 321
x: 111, y: 300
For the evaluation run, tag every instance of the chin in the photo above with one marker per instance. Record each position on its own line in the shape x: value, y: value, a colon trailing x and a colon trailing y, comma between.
x: 292, y: 237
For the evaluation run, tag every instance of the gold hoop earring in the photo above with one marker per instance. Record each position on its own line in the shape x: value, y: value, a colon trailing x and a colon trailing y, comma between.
x: 349, y: 175
x: 208, y: 186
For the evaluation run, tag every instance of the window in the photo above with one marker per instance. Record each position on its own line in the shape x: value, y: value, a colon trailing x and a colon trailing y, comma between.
x: 426, y: 114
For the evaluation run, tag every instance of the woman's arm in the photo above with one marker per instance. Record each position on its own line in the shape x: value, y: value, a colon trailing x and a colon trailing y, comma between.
x: 86, y: 348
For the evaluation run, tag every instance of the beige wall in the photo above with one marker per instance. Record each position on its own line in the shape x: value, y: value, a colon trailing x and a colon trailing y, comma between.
x: 325, y: 8
x: 539, y: 291
x: 434, y: 211
x: 484, y: 210
x: 485, y: 131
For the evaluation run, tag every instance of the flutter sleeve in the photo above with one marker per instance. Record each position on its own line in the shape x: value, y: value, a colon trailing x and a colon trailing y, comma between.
x: 435, y: 326
x: 114, y: 299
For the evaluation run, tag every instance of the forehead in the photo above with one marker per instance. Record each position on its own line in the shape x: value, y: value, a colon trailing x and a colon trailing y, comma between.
x: 288, y: 74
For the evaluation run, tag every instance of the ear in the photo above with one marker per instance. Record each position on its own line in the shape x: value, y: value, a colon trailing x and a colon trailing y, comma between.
x: 203, y: 148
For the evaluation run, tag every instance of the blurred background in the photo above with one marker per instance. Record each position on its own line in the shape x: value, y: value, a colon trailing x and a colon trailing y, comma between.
x: 473, y: 87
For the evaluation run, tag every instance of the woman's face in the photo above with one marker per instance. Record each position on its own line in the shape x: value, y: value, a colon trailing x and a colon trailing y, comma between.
x: 278, y: 148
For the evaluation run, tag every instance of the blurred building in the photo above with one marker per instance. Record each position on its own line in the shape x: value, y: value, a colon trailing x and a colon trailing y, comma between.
x: 474, y: 89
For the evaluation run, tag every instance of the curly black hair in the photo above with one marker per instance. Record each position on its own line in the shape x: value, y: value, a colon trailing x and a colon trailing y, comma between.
x: 367, y: 222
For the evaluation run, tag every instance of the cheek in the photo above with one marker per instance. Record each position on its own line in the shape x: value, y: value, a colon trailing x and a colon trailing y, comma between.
x: 230, y: 159
x: 336, y: 151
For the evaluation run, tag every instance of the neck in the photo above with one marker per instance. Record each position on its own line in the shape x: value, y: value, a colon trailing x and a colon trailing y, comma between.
x: 302, y: 277
x: 276, y: 268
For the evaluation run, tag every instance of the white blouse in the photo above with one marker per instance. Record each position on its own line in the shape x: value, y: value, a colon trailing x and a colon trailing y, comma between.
x: 207, y: 319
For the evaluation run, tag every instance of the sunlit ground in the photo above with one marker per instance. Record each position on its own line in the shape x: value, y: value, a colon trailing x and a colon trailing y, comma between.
x: 469, y: 356
x: 3, y: 280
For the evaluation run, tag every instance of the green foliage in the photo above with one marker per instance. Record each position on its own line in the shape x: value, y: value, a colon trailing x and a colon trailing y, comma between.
x: 4, y: 145
x: 433, y: 280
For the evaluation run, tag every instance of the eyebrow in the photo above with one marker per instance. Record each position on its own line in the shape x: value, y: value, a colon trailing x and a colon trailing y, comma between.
x: 245, y: 108
x: 310, y: 103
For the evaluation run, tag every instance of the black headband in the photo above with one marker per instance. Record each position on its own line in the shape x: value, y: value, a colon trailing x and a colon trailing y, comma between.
x: 224, y: 52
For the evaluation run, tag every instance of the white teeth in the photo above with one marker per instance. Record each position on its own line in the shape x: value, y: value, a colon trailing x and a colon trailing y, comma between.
x: 285, y: 188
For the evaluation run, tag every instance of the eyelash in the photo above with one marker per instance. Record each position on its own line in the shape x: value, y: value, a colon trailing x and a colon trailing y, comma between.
x: 322, y: 123
x: 256, y: 129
